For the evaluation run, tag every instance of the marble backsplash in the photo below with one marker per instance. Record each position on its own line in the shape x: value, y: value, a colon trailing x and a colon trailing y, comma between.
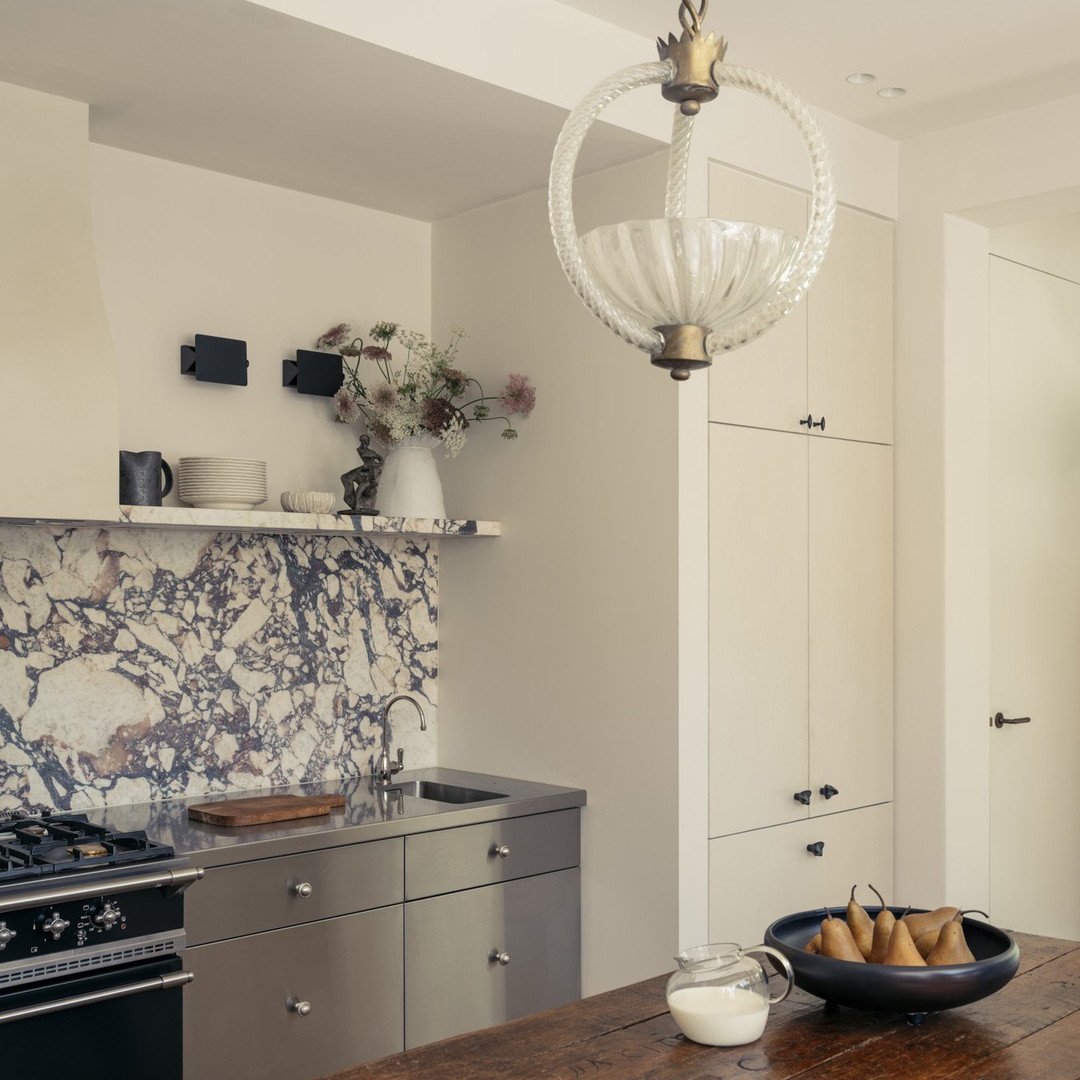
x: 139, y: 664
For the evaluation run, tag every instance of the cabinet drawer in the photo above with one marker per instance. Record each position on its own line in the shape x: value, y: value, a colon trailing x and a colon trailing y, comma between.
x: 441, y: 862
x: 454, y: 981
x: 239, y: 1013
x: 756, y: 877
x: 247, y: 898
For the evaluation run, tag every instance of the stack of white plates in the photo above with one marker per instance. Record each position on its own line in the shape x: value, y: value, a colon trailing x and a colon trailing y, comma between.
x: 222, y: 483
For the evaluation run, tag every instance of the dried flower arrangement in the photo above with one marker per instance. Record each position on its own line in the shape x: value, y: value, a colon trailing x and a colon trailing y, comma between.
x: 423, y: 394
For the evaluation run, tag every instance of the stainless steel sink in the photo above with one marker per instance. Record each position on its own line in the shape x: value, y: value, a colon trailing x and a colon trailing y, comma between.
x: 447, y: 793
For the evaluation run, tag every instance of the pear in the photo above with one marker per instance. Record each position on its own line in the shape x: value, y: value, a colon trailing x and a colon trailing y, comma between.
x: 902, y: 951
x: 860, y: 924
x: 883, y: 926
x: 925, y: 942
x: 813, y: 945
x: 837, y: 942
x: 919, y: 923
x: 952, y: 946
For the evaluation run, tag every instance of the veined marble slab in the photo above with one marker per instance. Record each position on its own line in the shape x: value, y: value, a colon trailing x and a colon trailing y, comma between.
x: 137, y: 663
x: 281, y: 521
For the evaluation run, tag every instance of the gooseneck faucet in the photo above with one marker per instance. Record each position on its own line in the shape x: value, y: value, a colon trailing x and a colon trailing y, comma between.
x: 385, y: 767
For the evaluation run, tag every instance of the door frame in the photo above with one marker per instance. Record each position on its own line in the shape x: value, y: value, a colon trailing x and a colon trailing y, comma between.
x: 955, y: 185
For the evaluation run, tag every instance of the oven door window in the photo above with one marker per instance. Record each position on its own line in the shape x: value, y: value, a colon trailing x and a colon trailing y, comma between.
x: 124, y: 1038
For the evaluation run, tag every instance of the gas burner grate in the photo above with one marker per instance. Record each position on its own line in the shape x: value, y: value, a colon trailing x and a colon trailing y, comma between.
x: 63, y: 842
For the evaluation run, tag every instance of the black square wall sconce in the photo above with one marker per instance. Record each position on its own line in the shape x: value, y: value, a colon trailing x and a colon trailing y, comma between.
x: 215, y: 359
x: 312, y: 372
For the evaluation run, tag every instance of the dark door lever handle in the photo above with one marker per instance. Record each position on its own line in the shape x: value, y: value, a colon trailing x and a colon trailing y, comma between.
x: 1001, y: 721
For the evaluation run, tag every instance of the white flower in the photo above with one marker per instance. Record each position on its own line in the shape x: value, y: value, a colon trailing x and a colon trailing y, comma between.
x: 453, y: 437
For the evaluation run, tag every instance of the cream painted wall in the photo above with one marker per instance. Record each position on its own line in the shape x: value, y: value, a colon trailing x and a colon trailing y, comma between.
x: 1051, y: 244
x: 57, y: 380
x: 953, y: 183
x: 558, y: 642
x: 185, y: 251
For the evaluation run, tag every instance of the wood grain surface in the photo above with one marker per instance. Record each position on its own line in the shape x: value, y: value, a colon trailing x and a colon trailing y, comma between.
x: 1029, y: 1030
x: 260, y: 809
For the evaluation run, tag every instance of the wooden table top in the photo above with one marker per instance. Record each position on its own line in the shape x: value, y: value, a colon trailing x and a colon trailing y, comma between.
x: 1030, y: 1030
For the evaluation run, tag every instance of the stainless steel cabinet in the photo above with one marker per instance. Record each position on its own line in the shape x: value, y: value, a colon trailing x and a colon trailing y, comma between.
x: 482, y: 956
x: 293, y: 977
x: 306, y: 964
x: 294, y: 1003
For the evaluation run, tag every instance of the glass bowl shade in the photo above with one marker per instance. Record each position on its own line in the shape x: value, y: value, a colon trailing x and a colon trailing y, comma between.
x: 697, y: 271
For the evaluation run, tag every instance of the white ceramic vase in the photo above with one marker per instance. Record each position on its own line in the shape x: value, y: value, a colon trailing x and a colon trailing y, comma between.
x: 410, y: 485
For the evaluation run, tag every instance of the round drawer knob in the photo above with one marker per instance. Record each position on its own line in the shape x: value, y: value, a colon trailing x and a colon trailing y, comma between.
x: 303, y: 890
x: 502, y: 850
x: 502, y: 957
x: 301, y: 1008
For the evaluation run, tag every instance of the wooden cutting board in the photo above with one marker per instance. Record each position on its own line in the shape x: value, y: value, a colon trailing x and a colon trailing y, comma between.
x: 261, y: 809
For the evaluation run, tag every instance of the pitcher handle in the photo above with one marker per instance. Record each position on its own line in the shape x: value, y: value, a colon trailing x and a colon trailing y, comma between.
x: 168, y: 477
x: 784, y: 963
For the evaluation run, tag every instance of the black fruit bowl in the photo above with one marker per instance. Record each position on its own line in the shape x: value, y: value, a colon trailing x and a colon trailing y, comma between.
x: 887, y: 988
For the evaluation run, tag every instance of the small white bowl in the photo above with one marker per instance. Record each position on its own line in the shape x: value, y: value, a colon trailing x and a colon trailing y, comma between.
x: 308, y: 502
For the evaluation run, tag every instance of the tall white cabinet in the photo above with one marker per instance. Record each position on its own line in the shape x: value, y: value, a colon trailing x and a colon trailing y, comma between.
x: 800, y: 590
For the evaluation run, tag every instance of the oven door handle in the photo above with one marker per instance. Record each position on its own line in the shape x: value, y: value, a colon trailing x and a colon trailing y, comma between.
x: 159, y: 982
x: 172, y: 879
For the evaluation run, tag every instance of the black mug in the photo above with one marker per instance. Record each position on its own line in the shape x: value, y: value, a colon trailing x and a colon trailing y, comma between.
x: 140, y: 478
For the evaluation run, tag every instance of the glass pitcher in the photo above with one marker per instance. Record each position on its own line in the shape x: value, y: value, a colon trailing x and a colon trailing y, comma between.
x: 720, y: 996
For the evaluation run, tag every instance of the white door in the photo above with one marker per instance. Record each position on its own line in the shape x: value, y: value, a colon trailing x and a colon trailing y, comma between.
x: 1034, y: 533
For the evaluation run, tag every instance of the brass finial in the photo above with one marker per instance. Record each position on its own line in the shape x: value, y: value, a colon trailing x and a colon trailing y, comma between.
x: 694, y: 56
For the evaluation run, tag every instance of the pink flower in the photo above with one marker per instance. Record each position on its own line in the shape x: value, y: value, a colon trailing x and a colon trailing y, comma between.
x: 436, y: 414
x: 518, y: 396
x: 384, y: 396
x: 346, y: 410
x: 376, y: 352
x: 335, y: 336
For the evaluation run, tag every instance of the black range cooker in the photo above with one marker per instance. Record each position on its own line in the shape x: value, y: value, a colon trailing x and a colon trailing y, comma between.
x: 91, y: 931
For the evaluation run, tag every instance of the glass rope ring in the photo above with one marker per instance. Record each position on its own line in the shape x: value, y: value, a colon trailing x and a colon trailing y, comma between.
x: 687, y: 289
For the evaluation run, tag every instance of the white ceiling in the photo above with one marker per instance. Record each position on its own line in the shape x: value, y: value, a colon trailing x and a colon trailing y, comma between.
x: 240, y: 88
x: 959, y: 60
x: 244, y: 90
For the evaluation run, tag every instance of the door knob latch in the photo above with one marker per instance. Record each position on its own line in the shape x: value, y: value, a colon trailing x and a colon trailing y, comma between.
x: 1000, y: 721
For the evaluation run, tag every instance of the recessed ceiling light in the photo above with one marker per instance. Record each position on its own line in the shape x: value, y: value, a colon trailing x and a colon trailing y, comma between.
x: 860, y: 77
x: 891, y: 91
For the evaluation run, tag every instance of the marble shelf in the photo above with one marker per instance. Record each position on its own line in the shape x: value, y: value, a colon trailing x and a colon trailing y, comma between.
x: 281, y: 521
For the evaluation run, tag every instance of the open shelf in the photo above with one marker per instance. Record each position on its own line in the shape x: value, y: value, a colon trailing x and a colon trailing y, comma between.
x: 277, y: 521
x: 281, y: 521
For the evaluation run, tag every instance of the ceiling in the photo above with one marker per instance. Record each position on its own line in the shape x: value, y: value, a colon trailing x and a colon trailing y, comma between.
x: 959, y: 60
x: 244, y: 90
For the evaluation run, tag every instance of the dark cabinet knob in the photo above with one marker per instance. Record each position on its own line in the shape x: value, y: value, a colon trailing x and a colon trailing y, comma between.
x: 808, y: 422
x: 817, y: 848
x: 803, y: 796
x: 819, y: 424
x: 828, y: 791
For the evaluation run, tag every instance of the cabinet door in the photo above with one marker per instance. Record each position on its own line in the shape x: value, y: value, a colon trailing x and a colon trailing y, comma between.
x: 850, y: 330
x: 757, y: 628
x: 453, y: 979
x: 757, y: 877
x: 762, y: 383
x: 239, y: 1013
x: 851, y: 624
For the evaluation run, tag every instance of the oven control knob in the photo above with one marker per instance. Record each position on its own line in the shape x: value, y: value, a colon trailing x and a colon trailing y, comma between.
x: 6, y: 935
x: 108, y: 916
x: 55, y: 925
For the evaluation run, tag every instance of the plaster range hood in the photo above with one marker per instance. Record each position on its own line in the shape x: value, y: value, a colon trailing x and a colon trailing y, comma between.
x: 58, y: 387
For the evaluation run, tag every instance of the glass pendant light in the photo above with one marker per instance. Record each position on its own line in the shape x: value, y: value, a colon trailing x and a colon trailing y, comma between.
x: 687, y: 289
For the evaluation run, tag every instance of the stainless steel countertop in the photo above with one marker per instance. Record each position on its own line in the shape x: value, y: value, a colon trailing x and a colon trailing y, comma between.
x: 365, y: 816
